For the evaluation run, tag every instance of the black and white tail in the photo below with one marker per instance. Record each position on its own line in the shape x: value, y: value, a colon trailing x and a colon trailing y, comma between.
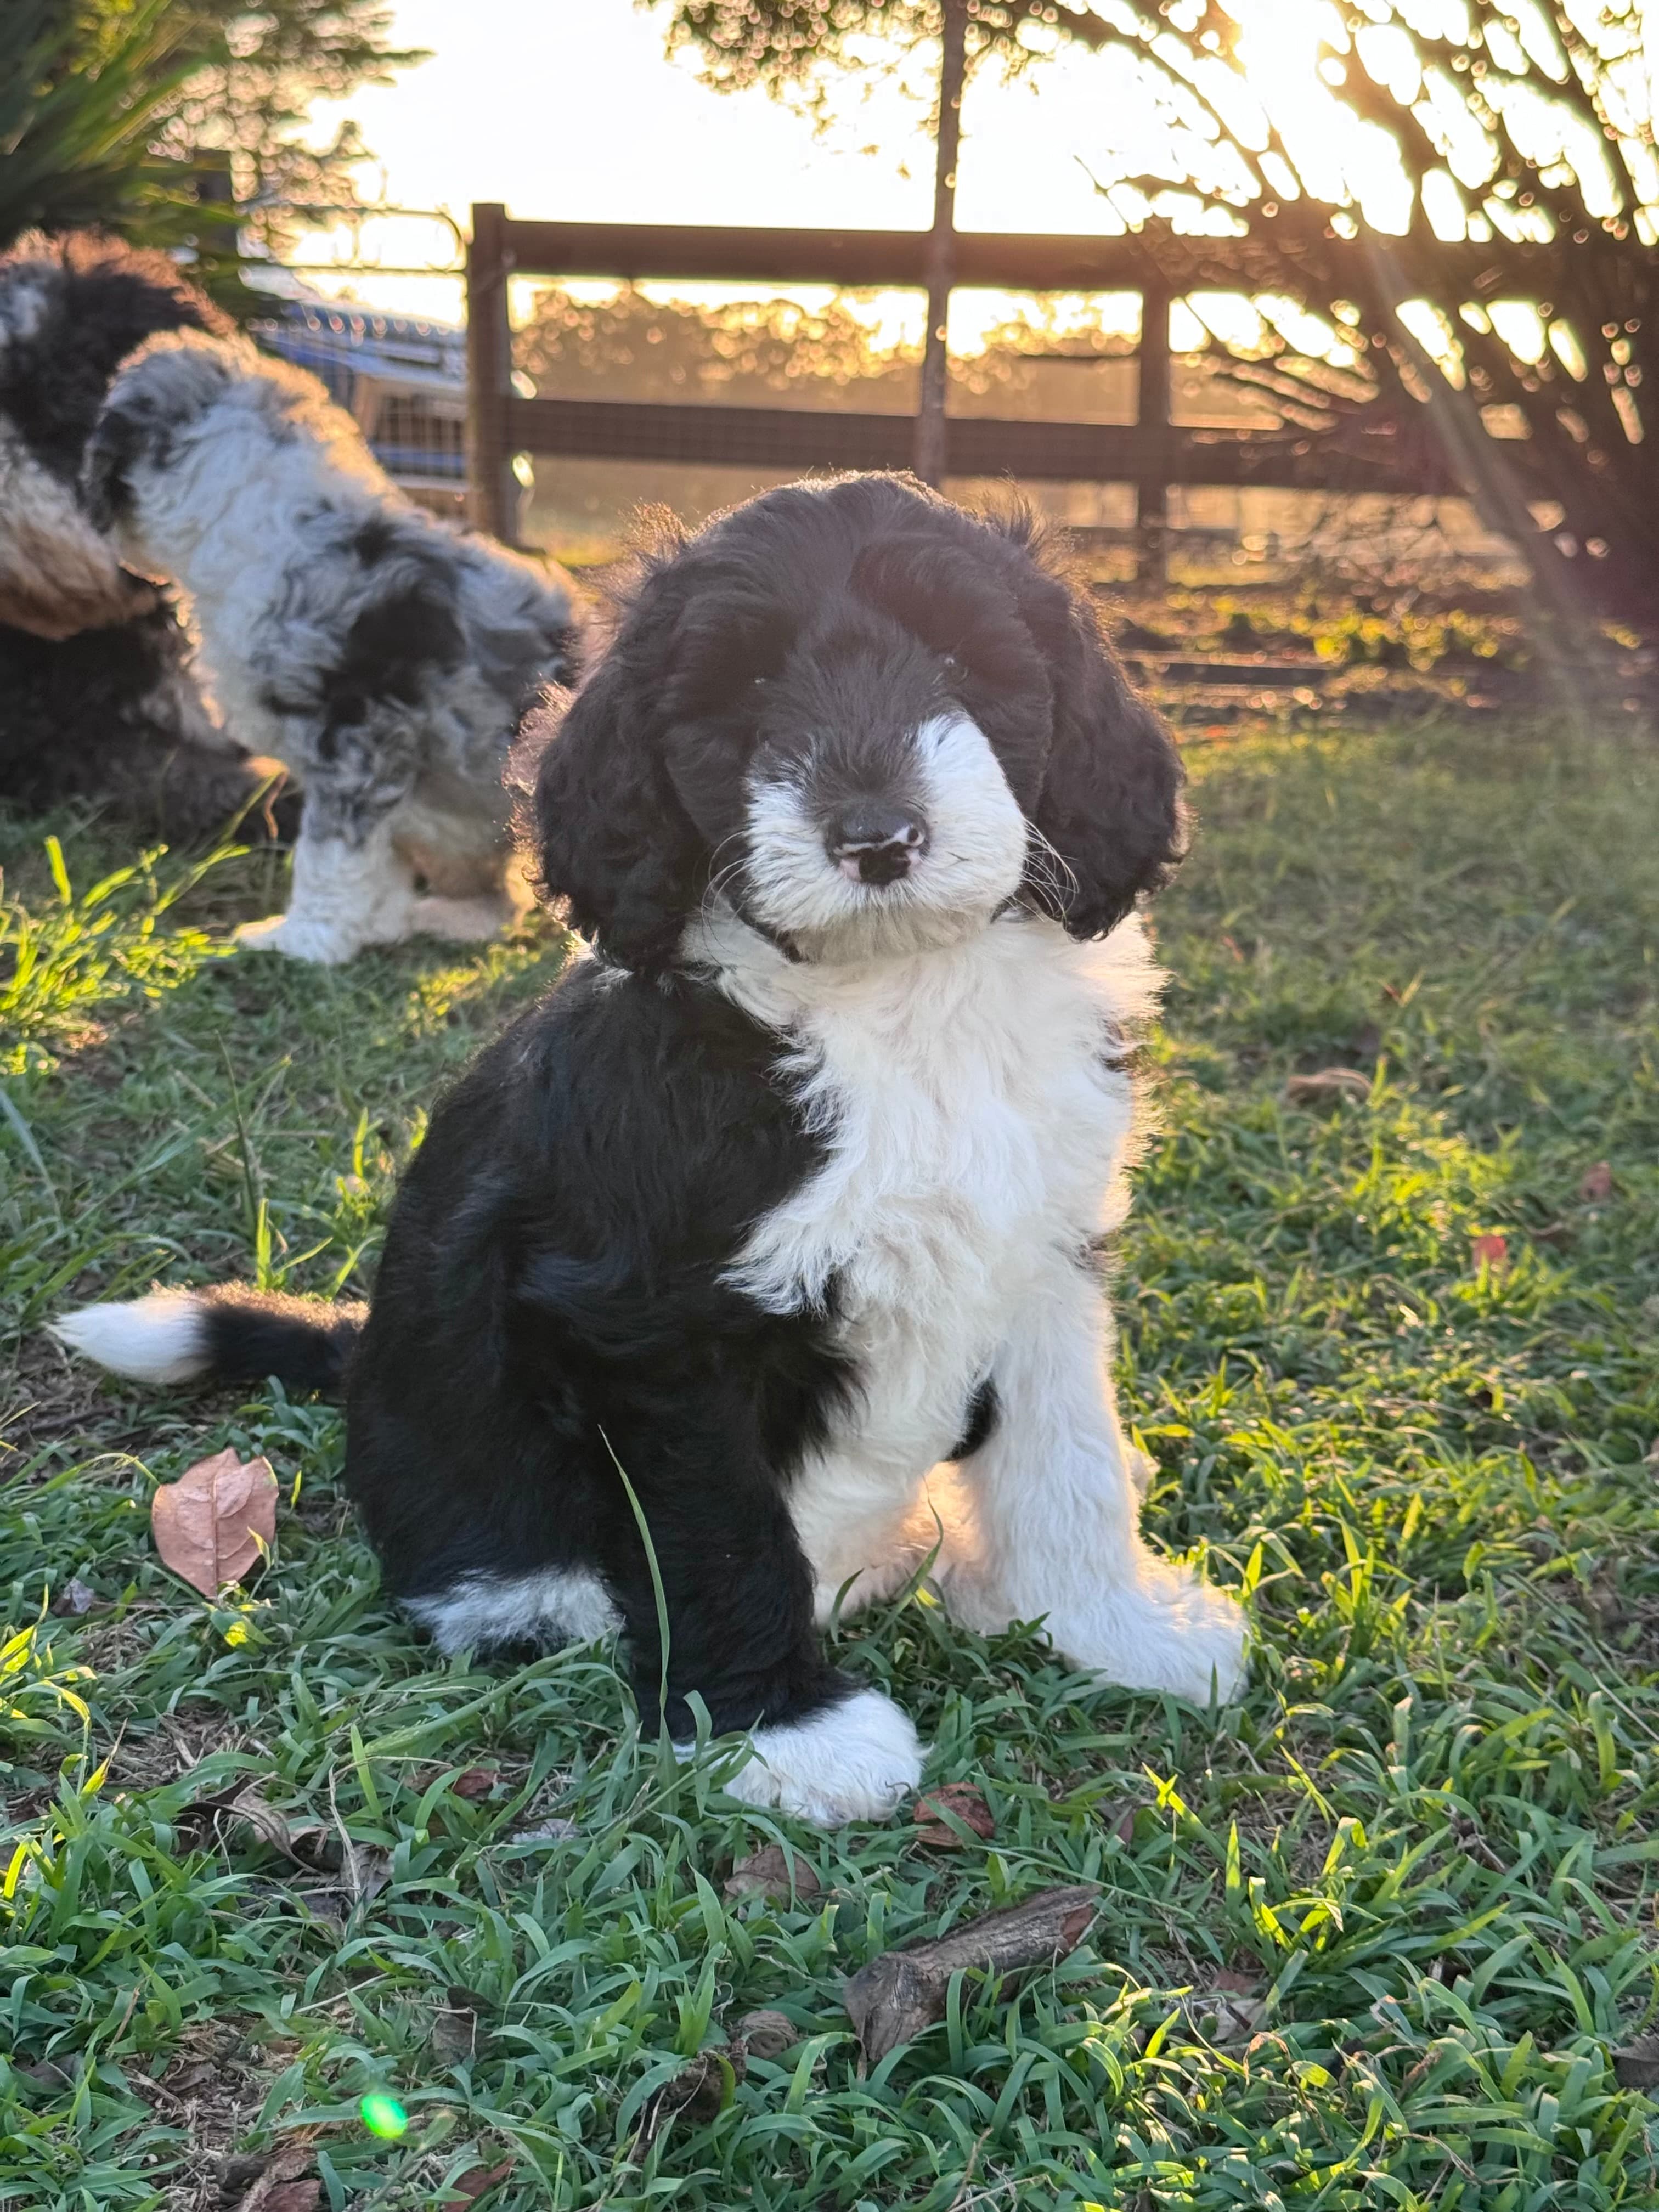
x: 229, y: 1334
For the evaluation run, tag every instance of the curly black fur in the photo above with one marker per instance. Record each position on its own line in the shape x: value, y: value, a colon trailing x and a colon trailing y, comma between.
x: 112, y: 714
x: 91, y: 300
x: 620, y: 833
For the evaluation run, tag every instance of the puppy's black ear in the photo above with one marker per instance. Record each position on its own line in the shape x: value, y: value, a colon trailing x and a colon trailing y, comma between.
x: 1110, y: 806
x: 610, y: 837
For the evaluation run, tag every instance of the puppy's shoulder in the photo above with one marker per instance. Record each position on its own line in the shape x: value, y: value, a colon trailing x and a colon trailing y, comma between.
x: 650, y: 1095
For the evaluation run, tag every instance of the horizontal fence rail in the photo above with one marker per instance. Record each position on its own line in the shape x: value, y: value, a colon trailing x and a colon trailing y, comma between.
x: 1151, y: 454
x: 976, y: 446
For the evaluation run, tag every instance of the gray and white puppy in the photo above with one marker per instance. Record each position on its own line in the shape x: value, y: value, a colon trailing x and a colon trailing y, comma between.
x: 384, y: 658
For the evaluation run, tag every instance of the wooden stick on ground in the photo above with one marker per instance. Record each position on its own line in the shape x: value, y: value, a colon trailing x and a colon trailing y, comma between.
x: 901, y: 1993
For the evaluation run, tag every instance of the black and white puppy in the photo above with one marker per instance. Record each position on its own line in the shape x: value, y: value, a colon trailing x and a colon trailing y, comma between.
x: 794, y: 1188
x: 383, y: 658
x: 99, y: 699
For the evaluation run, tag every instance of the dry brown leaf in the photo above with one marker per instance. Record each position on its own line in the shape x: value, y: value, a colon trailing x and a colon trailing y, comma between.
x: 1595, y: 1184
x: 1491, y: 1250
x: 361, y: 1872
x: 476, y: 1782
x: 959, y: 1799
x: 358, y: 1871
x: 294, y: 2197
x: 901, y: 1993
x: 1636, y: 2066
x: 467, y: 2188
x: 282, y: 2167
x: 455, y: 2035
x: 1325, y: 1084
x: 773, y: 1872
x: 699, y: 2090
x: 76, y: 1598
x: 766, y: 2034
x: 253, y: 1811
x: 215, y: 1522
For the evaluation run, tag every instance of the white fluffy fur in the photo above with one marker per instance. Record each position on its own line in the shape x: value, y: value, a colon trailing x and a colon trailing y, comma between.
x: 342, y: 898
x: 978, y: 1125
x: 568, y: 1604
x: 162, y: 1338
x: 974, y: 859
x: 856, y: 1760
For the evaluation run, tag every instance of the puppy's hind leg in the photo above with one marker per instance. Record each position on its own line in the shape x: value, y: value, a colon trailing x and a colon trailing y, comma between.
x: 351, y: 889
x: 739, y: 1596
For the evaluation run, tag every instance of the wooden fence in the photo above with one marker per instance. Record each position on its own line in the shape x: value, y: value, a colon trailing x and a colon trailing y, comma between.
x: 1150, y: 454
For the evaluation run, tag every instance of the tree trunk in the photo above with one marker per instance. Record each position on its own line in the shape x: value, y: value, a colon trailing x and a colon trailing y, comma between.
x: 929, y: 451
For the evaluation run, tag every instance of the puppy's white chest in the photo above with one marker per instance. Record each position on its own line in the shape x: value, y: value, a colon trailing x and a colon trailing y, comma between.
x: 974, y: 1118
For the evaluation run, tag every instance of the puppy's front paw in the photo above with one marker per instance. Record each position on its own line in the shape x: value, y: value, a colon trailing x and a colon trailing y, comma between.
x: 855, y: 1760
x: 1168, y: 1630
x: 321, y: 943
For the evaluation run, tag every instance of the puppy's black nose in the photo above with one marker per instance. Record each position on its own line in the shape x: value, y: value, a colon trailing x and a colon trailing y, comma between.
x: 874, y: 843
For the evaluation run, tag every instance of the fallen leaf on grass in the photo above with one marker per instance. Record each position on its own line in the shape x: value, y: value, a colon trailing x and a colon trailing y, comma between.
x: 476, y: 1782
x: 1327, y: 1083
x: 773, y: 1872
x: 901, y: 1993
x: 765, y: 2034
x: 1491, y: 1250
x: 76, y: 1598
x: 294, y: 2197
x: 455, y: 2035
x: 1123, y: 1827
x: 1636, y: 2066
x: 467, y: 2188
x: 1595, y: 1184
x: 284, y: 2168
x: 701, y: 2090
x: 366, y: 1868
x: 964, y: 1802
x: 216, y: 1520
x: 1231, y: 2009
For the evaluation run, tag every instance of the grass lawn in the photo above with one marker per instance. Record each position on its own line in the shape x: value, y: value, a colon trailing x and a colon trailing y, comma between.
x: 1422, y: 1853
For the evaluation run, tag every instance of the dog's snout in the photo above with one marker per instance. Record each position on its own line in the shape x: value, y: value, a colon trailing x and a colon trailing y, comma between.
x: 875, y: 842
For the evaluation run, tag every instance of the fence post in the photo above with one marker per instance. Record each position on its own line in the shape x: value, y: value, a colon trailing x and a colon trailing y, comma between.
x: 492, y: 493
x: 929, y: 451
x: 1153, y: 417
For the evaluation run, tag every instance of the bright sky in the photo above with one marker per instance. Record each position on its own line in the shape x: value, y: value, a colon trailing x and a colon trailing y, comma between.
x: 569, y: 108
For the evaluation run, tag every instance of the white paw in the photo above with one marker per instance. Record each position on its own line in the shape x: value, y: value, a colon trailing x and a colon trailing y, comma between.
x: 322, y: 943
x: 1166, y: 1631
x: 1170, y: 1631
x: 856, y: 1760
